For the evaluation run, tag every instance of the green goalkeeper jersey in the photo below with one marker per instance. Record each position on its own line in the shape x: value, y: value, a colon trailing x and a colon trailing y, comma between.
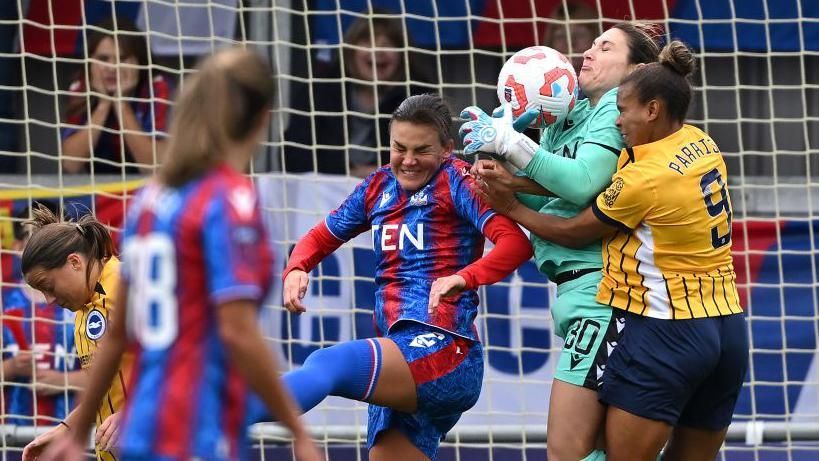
x: 575, y: 161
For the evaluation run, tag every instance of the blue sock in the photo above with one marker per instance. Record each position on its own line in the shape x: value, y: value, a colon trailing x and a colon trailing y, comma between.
x: 348, y: 370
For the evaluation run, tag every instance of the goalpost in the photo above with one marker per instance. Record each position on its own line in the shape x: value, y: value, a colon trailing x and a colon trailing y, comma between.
x: 756, y: 93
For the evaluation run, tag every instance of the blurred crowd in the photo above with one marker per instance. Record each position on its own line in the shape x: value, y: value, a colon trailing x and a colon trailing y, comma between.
x: 113, y: 102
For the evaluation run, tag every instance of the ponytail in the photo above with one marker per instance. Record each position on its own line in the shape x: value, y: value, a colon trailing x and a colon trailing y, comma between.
x: 53, y: 239
x: 666, y: 80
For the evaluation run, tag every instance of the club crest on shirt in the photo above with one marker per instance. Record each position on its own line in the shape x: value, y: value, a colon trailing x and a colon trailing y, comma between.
x: 419, y: 198
x: 95, y: 325
x: 613, y: 191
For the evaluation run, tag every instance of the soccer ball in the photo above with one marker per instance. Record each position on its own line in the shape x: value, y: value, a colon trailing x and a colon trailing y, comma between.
x: 535, y: 72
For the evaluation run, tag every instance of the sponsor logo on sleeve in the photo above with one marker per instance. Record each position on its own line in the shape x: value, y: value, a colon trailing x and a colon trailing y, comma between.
x: 613, y: 191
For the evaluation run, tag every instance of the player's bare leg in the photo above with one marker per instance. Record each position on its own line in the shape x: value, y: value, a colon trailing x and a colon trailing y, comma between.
x: 392, y: 445
x: 396, y: 386
x: 395, y: 389
x: 633, y: 438
x: 689, y: 444
x: 575, y: 421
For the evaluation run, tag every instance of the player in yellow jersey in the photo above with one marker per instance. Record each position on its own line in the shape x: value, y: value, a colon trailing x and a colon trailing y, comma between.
x: 74, y: 265
x: 677, y: 372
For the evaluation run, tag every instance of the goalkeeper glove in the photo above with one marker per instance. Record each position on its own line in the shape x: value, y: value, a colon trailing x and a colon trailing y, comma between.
x: 497, y: 135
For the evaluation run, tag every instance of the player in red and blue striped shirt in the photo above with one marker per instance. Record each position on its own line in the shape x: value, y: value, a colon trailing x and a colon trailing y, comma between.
x: 46, y: 331
x: 196, y: 266
x: 428, y: 228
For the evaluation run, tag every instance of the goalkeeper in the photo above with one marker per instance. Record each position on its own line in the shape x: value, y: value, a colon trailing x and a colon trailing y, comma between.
x: 572, y: 165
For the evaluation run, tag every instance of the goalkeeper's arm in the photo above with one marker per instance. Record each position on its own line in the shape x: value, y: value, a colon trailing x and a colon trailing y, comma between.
x: 581, y: 178
x: 578, y: 179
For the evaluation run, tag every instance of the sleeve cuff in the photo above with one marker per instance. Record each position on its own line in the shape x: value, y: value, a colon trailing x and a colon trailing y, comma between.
x: 327, y: 225
x: 66, y: 132
x: 251, y: 292
x: 535, y: 163
x: 485, y: 219
x: 603, y: 217
x: 471, y: 283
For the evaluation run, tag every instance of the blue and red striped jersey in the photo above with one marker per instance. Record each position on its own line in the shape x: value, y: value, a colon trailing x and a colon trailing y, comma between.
x: 47, y: 331
x: 187, y: 250
x: 418, y: 237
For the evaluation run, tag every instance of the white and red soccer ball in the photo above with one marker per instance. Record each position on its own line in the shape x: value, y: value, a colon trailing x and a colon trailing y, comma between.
x: 536, y: 72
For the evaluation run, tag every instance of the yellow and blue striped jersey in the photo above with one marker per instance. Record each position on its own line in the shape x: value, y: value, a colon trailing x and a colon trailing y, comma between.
x: 90, y: 324
x: 671, y: 255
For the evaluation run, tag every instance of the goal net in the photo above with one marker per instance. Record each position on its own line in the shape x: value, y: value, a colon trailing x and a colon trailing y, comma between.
x: 342, y: 67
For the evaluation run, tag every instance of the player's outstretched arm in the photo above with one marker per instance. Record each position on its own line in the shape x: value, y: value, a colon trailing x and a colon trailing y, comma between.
x: 308, y: 253
x: 482, y: 133
x: 577, y: 179
x: 512, y: 249
x: 294, y: 289
x: 485, y: 169
x: 35, y: 448
x: 246, y: 347
x: 102, y: 372
x: 576, y: 232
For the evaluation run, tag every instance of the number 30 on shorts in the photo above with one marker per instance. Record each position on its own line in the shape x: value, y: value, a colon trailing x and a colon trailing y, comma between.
x: 582, y: 336
x: 153, y: 315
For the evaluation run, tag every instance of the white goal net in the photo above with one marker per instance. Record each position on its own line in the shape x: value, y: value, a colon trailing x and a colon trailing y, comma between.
x: 342, y: 67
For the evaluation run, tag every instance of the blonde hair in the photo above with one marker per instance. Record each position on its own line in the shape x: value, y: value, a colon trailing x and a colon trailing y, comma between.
x: 221, y: 104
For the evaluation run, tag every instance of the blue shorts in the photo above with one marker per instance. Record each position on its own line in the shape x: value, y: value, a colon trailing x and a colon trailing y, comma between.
x: 686, y: 372
x: 448, y: 372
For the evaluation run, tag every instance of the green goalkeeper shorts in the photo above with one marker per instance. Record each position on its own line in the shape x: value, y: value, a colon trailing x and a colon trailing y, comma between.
x: 591, y: 331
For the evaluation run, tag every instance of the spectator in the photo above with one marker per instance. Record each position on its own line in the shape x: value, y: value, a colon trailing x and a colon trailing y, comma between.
x: 354, y: 100
x: 117, y: 111
x: 572, y: 30
x: 38, y: 340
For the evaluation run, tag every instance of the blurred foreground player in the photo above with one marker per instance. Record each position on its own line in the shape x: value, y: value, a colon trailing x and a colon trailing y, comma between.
x: 196, y: 266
